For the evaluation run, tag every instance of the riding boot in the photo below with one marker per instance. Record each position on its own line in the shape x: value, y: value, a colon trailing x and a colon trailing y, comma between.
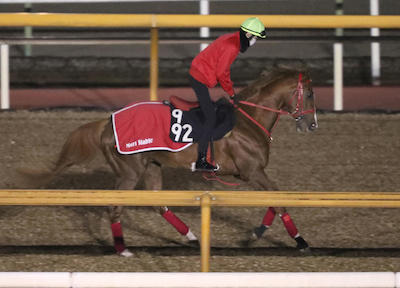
x: 203, y: 166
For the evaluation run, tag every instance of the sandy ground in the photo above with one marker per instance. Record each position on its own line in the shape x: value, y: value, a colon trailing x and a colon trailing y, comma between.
x: 349, y: 152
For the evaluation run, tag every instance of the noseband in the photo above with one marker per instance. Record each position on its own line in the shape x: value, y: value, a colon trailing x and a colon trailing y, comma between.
x: 297, y: 114
x: 299, y: 111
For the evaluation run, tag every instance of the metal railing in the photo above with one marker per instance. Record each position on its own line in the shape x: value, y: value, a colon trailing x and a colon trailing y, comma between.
x: 157, y: 21
x: 204, y: 199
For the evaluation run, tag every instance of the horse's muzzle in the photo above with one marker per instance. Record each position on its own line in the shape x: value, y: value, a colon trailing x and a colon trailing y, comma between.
x: 313, y: 126
x: 306, y: 124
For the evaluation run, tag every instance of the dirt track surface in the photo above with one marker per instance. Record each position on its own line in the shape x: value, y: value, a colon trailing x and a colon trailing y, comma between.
x: 349, y: 152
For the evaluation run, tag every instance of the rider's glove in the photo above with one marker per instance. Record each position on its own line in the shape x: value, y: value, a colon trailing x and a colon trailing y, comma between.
x: 235, y: 99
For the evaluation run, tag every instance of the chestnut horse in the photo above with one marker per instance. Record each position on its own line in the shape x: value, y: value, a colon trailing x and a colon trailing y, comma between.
x: 244, y: 153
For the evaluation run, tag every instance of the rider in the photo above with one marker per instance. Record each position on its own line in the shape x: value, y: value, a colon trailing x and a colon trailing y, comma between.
x: 212, y: 66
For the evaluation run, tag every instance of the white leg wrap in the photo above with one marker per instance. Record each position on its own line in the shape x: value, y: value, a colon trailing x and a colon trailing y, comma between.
x: 190, y: 236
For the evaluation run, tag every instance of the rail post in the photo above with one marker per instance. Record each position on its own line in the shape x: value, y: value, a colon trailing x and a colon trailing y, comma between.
x: 375, y: 47
x: 5, y: 78
x: 338, y: 64
x: 28, y: 31
x: 205, y: 202
x: 204, y: 31
x: 153, y: 64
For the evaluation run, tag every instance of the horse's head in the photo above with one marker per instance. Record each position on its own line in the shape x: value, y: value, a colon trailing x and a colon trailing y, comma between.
x: 282, y: 91
x: 300, y: 104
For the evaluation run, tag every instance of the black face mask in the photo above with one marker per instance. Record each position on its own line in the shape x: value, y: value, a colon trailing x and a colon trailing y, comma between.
x: 244, y: 41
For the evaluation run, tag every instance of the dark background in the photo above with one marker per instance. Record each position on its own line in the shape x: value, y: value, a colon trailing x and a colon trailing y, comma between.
x: 128, y: 65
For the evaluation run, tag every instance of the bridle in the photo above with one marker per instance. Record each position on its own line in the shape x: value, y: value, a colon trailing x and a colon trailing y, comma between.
x: 297, y: 114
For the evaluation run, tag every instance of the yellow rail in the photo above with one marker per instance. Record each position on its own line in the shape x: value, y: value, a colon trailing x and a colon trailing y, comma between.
x: 199, y: 198
x: 195, y: 20
x: 155, y: 21
x: 192, y: 198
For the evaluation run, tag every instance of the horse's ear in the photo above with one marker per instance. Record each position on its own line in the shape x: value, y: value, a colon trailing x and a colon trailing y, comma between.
x: 305, y: 70
x: 265, y: 73
x: 298, y: 65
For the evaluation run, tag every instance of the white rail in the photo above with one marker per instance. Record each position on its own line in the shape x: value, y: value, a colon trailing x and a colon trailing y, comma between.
x: 375, y: 47
x: 5, y: 77
x: 198, y: 280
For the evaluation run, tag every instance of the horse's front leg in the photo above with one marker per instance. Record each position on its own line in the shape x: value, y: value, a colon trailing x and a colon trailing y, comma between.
x: 153, y: 181
x: 129, y: 171
x: 124, y: 182
x: 262, y: 181
x: 116, y: 229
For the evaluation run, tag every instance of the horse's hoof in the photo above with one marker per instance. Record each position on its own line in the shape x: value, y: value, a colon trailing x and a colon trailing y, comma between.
x: 253, y: 237
x: 305, y: 251
x: 247, y: 243
x: 126, y: 253
x: 194, y: 243
x: 258, y: 232
x: 302, y: 245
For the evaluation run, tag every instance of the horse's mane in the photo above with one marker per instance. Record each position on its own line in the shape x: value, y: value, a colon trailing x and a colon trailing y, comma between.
x: 268, y: 77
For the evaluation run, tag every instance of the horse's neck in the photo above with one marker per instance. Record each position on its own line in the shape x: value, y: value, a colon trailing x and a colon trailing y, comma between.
x: 265, y: 117
x: 271, y: 93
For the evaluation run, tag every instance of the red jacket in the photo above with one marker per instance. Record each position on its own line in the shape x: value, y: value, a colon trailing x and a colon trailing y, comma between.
x: 213, y: 64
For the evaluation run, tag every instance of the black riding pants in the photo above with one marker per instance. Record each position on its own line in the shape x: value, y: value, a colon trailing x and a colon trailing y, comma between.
x: 208, y: 110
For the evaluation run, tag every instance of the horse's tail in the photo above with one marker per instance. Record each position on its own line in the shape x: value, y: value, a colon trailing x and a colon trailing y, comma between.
x: 81, y: 146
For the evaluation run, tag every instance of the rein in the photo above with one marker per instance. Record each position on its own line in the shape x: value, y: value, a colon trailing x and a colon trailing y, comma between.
x: 298, y: 113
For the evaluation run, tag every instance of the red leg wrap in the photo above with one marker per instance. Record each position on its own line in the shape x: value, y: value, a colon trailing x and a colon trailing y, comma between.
x: 289, y: 225
x: 269, y: 217
x: 118, y: 237
x: 176, y: 222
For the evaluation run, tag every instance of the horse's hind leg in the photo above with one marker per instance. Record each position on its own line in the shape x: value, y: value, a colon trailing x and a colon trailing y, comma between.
x: 153, y: 181
x: 116, y: 229
x: 127, y: 179
x: 128, y: 170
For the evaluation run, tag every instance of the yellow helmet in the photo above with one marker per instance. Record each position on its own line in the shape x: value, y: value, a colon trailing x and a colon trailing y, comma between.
x: 254, y: 26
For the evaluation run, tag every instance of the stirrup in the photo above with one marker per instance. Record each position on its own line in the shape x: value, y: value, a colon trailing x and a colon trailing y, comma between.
x: 193, y: 168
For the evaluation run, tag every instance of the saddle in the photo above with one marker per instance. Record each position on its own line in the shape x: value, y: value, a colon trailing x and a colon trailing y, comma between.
x: 182, y: 103
x: 188, y: 115
x: 170, y: 125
